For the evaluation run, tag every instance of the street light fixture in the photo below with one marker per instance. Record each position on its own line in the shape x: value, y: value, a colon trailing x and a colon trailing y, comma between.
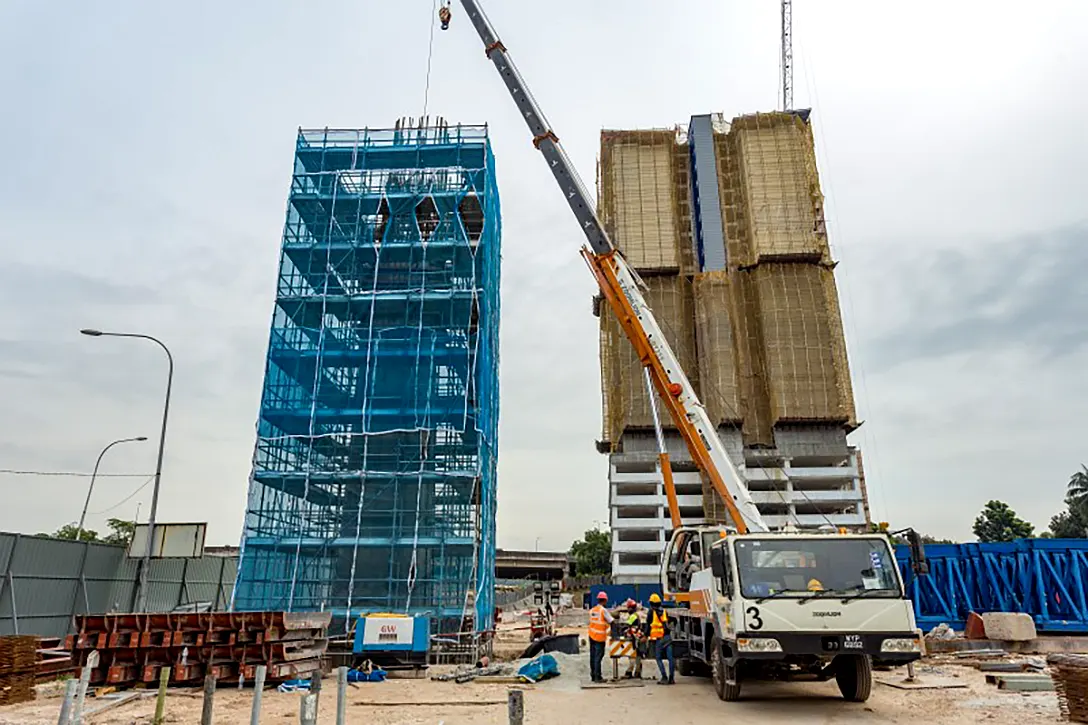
x: 83, y: 516
x: 145, y: 564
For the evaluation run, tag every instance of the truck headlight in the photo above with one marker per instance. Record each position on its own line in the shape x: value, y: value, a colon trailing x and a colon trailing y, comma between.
x: 759, y: 644
x: 901, y: 644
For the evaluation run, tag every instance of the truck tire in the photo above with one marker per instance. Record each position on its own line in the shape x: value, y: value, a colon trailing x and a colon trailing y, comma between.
x: 854, y: 675
x: 721, y: 672
x: 685, y: 667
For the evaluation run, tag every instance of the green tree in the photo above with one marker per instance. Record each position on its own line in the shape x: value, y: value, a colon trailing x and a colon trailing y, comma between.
x: 998, y: 522
x: 1068, y: 525
x: 121, y: 531
x: 1073, y: 522
x: 69, y: 532
x: 593, y: 553
x: 1077, y: 492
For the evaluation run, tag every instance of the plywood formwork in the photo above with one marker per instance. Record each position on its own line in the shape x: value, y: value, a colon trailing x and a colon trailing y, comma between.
x: 803, y: 346
x: 771, y: 201
x: 623, y: 386
x: 640, y: 200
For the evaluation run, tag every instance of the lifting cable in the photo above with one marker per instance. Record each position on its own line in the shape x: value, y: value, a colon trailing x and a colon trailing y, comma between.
x: 430, y: 55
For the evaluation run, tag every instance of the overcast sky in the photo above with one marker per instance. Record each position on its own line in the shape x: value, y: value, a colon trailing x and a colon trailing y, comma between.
x: 147, y: 158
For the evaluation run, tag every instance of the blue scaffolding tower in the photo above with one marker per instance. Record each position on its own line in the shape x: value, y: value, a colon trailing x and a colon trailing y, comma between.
x: 374, y: 477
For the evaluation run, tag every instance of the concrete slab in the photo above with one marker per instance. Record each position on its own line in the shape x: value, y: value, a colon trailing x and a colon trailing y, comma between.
x: 1021, y: 682
x: 1009, y: 626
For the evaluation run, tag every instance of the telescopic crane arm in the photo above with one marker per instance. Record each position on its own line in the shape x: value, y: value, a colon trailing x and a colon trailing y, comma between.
x: 621, y: 287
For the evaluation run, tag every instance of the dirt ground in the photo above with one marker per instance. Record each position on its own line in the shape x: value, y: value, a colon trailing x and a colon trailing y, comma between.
x: 561, y: 701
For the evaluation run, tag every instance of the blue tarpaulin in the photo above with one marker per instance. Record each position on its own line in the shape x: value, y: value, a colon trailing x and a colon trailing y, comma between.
x: 539, y: 669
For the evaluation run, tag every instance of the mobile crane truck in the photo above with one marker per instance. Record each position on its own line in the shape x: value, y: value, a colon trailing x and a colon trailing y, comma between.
x: 748, y: 603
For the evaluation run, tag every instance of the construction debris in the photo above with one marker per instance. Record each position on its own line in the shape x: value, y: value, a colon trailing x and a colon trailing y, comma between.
x: 227, y: 645
x: 18, y: 668
x: 468, y: 674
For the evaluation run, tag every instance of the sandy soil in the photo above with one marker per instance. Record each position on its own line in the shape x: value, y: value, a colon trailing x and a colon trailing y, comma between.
x: 561, y: 701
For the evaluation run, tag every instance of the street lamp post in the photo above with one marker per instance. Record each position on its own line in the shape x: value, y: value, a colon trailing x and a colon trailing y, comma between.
x: 90, y: 489
x: 145, y: 564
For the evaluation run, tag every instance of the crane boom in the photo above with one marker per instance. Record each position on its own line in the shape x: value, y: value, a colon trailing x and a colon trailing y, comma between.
x: 621, y: 287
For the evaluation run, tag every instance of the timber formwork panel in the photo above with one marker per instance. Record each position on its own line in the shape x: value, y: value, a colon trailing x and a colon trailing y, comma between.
x: 623, y: 384
x: 640, y: 204
x: 374, y: 474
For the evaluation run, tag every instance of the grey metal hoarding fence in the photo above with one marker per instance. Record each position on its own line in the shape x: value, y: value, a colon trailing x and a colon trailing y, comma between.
x: 46, y: 582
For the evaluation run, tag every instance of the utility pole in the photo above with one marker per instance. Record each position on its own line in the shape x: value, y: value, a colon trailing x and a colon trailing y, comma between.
x: 786, y: 62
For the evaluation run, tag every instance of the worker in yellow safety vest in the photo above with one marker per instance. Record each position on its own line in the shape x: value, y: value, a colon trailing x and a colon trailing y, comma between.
x: 633, y: 631
x: 599, y: 621
x: 657, y: 629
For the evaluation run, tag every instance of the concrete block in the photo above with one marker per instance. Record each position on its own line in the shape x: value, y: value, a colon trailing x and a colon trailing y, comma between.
x: 1009, y: 626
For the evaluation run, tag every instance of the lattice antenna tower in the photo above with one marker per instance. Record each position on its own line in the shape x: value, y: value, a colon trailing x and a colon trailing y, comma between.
x: 786, y: 62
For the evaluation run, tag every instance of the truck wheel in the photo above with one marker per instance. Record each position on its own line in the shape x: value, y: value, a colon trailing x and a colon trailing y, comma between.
x: 721, y: 672
x: 854, y: 675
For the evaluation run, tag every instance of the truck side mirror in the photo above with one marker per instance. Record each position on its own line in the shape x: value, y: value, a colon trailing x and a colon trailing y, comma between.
x: 717, y: 562
x: 917, y: 553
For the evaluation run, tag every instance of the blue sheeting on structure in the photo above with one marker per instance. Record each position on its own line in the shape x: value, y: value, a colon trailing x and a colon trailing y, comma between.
x: 1046, y: 578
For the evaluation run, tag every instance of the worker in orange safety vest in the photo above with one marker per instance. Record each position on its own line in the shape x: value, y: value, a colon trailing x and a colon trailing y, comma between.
x: 600, y: 619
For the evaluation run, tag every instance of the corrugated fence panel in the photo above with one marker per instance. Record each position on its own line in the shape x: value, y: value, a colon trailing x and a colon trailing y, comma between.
x: 45, y: 581
x: 208, y: 580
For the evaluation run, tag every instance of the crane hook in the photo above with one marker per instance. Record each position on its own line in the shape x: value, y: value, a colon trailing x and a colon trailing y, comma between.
x: 444, y: 15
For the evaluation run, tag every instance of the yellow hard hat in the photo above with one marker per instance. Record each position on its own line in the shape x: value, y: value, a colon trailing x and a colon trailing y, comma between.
x: 654, y: 599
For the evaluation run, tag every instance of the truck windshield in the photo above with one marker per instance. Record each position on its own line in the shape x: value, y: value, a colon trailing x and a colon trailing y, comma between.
x: 799, y: 567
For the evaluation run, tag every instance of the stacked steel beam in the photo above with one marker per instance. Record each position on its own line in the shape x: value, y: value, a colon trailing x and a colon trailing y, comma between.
x: 135, y: 647
x: 18, y: 667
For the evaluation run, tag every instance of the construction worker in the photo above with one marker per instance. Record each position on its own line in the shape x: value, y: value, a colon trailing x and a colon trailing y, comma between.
x: 657, y: 629
x: 599, y: 621
x: 638, y: 641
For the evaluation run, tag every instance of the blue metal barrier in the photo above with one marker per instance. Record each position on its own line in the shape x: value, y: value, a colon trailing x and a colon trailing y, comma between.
x: 1046, y: 578
x: 620, y: 593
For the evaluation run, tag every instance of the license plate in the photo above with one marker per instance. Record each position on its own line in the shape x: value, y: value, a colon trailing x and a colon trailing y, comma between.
x: 853, y: 641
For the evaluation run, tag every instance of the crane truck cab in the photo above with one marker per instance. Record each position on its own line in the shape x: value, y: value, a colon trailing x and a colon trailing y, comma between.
x: 786, y: 606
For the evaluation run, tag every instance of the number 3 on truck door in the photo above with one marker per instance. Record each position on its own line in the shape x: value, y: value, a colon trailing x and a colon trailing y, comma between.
x: 754, y: 622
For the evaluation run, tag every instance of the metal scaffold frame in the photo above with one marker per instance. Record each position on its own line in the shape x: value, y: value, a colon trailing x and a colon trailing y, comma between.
x: 374, y: 475
x: 1046, y: 578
